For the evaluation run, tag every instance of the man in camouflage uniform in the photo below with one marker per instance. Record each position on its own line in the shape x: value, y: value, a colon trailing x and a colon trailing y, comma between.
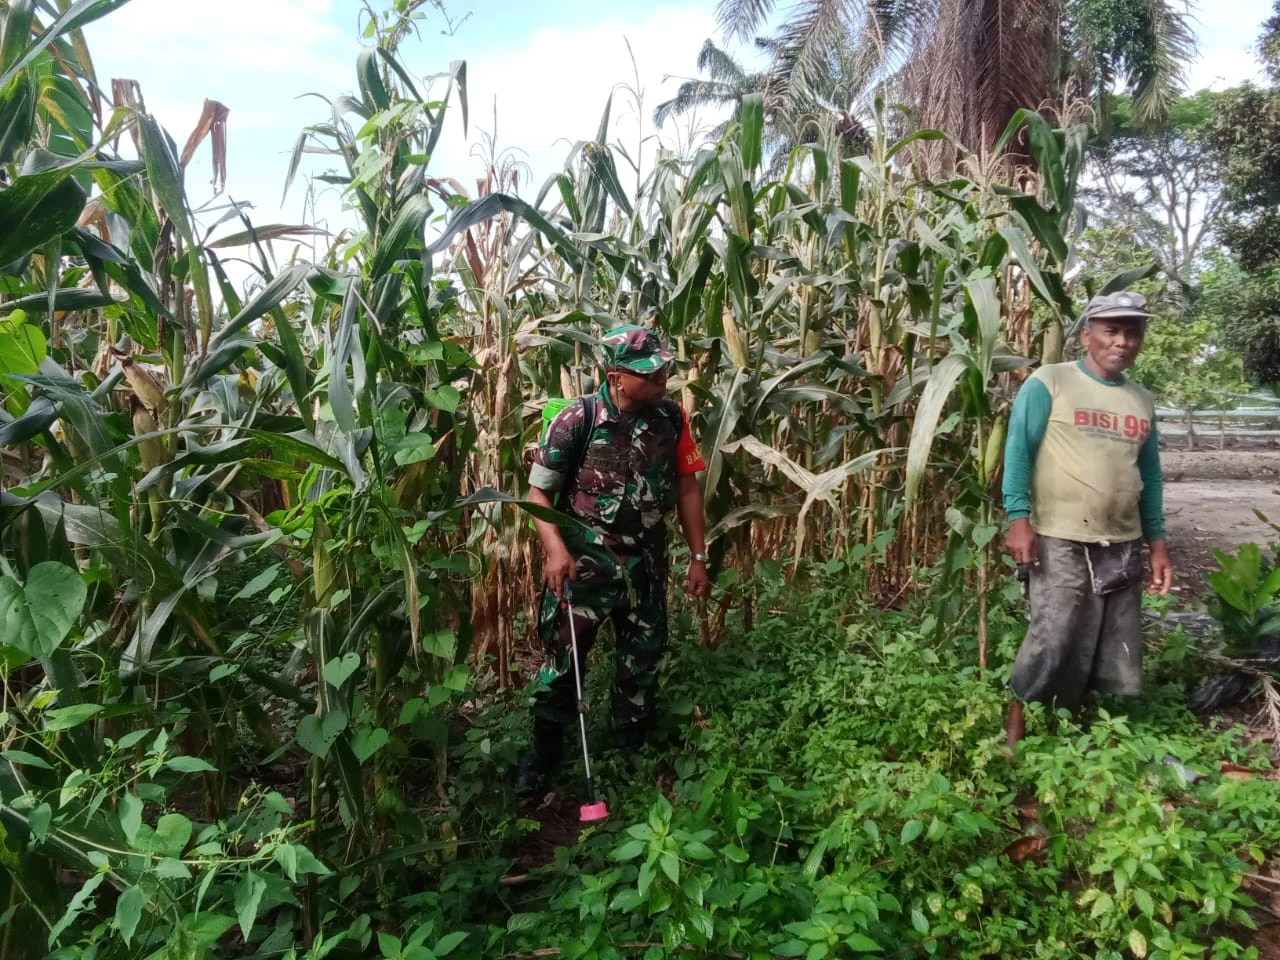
x: 619, y: 462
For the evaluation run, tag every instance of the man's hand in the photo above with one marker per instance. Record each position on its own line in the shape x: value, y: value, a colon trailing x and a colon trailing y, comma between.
x: 558, y: 568
x: 1022, y: 542
x: 1161, y: 568
x: 697, y: 583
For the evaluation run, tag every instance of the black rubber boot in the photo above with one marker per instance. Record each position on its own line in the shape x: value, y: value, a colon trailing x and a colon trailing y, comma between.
x: 543, y: 758
x: 630, y: 739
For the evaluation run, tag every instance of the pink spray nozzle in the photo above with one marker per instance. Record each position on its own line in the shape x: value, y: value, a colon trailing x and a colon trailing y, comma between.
x: 592, y: 812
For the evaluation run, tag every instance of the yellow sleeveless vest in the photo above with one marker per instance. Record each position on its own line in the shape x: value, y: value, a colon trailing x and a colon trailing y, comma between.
x: 1085, y: 483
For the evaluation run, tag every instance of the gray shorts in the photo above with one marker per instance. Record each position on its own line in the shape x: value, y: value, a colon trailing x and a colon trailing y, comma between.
x: 1078, y: 640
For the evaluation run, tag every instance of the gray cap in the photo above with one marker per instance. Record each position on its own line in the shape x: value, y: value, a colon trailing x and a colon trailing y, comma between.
x: 1116, y: 305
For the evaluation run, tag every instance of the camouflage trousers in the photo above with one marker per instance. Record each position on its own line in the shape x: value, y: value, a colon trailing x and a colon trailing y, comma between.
x: 640, y: 631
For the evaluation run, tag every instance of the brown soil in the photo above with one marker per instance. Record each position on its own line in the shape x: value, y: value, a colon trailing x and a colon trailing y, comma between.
x: 558, y: 826
x: 1209, y: 501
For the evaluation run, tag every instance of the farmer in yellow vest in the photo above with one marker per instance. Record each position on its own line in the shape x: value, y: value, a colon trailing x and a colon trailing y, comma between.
x: 1083, y: 490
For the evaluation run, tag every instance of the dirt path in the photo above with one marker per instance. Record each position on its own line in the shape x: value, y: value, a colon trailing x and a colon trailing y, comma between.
x: 1209, y: 502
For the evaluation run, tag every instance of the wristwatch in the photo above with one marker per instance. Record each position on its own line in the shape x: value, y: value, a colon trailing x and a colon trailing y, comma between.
x: 699, y: 556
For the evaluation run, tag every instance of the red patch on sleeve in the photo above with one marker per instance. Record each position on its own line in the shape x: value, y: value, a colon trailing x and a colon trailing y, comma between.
x: 688, y: 460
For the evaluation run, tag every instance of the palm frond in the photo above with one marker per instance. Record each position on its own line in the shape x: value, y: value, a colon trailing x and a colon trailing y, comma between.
x: 1153, y: 65
x: 1010, y: 64
x: 898, y: 29
x: 809, y: 37
x: 719, y: 65
x: 692, y: 94
x: 740, y: 19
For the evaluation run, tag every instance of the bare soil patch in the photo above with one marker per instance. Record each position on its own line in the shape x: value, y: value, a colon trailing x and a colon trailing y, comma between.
x: 1209, y: 501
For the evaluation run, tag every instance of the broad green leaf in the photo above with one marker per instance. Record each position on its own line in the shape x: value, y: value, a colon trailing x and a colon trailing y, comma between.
x: 442, y: 644
x: 165, y: 175
x: 337, y: 670
x: 316, y: 735
x: 75, y: 907
x: 129, y: 912
x: 1043, y: 226
x: 64, y: 718
x: 37, y: 618
x: 629, y: 850
x: 346, y: 344
x: 17, y: 110
x: 171, y: 868
x: 910, y: 831
x: 1104, y: 904
x: 670, y: 864
x: 1046, y: 150
x: 368, y: 742
x: 249, y: 893
x: 186, y: 764
x: 257, y: 584
x: 751, y: 113
x: 38, y: 822
x: 448, y: 943
x: 271, y: 296
x: 444, y: 397
x: 490, y: 206
x: 414, y: 448
x: 1144, y: 901
x: 984, y: 534
x: 15, y: 30
x: 130, y: 815
x: 69, y: 18
x: 1050, y: 293
x: 287, y: 856
x: 863, y: 944
x: 645, y: 878
x: 735, y: 853
x: 23, y: 758
x: 408, y: 226
x: 23, y: 346
x: 172, y: 833
x: 205, y: 928
x: 37, y: 208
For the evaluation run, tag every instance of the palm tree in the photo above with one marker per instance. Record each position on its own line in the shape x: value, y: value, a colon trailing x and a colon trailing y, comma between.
x: 725, y: 83
x: 968, y: 65
x: 795, y: 113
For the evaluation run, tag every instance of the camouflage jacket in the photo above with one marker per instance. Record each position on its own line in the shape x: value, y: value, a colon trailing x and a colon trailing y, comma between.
x: 620, y: 481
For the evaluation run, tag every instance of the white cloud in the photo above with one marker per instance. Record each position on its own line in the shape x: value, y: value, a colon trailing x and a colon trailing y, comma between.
x: 1227, y: 33
x: 551, y: 92
x: 259, y: 56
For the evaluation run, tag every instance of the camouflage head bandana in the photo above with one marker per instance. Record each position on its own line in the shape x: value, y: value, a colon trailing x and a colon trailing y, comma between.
x: 635, y: 348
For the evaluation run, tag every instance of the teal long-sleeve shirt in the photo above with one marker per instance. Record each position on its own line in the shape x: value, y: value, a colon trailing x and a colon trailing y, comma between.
x: 1027, y: 424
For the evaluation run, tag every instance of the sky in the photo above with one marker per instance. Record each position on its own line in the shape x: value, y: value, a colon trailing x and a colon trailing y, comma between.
x: 539, y: 73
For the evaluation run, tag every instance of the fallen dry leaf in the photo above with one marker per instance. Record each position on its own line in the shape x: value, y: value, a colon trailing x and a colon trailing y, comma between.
x: 1024, y: 848
x: 1235, y: 772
